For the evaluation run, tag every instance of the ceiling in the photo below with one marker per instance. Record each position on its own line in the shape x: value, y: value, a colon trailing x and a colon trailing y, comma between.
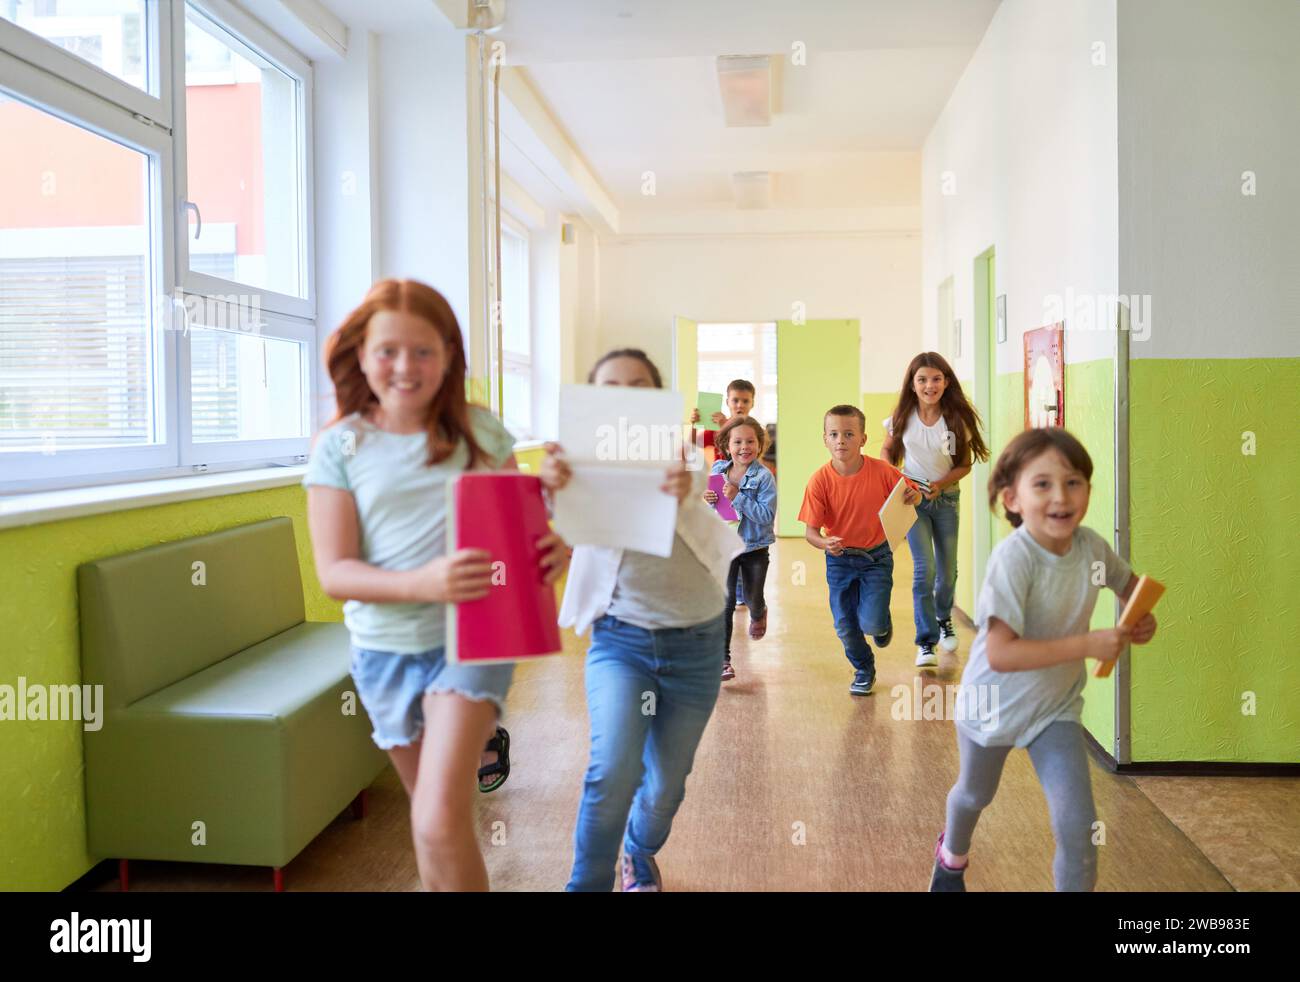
x: 633, y: 84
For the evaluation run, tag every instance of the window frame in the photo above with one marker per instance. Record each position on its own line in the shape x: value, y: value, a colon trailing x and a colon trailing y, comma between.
x: 203, y: 455
x: 68, y: 102
x: 49, y: 57
x: 252, y: 33
x: 41, y: 74
x: 512, y: 226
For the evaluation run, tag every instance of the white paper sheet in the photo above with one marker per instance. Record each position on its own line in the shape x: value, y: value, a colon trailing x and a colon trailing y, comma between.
x: 618, y: 442
x: 619, y: 424
x: 897, y: 517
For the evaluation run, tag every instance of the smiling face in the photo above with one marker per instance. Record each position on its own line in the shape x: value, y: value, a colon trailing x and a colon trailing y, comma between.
x: 624, y: 371
x: 404, y: 360
x: 742, y: 444
x: 1051, y: 498
x: 739, y: 402
x: 844, y: 437
x: 929, y: 385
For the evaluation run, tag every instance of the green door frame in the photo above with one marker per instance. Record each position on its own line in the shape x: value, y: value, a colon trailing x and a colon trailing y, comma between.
x: 986, y: 368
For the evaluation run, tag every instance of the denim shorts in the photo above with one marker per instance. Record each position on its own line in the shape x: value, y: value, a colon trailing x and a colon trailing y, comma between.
x: 392, y: 688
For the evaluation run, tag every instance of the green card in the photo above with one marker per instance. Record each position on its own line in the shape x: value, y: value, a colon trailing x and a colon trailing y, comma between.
x: 708, y: 404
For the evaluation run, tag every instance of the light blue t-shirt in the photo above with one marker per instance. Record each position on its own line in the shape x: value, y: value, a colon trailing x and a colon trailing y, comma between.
x: 401, y: 511
x: 1041, y: 596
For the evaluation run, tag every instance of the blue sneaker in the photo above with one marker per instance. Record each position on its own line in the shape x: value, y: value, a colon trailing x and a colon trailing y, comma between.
x: 882, y: 640
x: 862, y: 683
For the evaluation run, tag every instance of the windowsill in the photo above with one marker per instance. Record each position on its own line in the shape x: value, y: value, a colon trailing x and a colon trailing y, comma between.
x: 54, y: 506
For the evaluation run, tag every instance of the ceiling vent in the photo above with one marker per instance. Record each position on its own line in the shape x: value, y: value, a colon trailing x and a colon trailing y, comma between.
x: 752, y: 188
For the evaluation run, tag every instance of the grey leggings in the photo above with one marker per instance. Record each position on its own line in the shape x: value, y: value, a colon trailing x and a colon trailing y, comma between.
x: 1061, y: 762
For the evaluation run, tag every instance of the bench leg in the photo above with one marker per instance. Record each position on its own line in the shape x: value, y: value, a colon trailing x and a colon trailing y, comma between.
x: 124, y: 874
x: 278, y: 875
x: 359, y: 805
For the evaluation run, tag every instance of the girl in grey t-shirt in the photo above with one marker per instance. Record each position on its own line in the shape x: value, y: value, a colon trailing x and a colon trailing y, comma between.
x: 1024, y: 682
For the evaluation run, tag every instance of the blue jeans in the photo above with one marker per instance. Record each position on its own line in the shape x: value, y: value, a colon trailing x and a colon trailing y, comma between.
x: 650, y: 695
x: 933, y: 541
x: 860, y: 585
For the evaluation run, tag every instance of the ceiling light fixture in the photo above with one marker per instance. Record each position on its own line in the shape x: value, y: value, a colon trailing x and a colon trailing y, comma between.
x: 745, y: 82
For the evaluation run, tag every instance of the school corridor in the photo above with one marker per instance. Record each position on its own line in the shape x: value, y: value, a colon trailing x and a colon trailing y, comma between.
x: 799, y: 786
x: 1085, y: 209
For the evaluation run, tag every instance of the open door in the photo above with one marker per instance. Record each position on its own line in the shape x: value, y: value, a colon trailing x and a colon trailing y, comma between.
x: 817, y: 366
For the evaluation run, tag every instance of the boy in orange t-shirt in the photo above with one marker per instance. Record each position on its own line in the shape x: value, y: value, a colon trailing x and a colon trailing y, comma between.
x: 844, y: 497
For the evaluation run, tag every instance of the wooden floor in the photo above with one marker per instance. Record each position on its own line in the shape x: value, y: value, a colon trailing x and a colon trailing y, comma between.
x: 800, y: 786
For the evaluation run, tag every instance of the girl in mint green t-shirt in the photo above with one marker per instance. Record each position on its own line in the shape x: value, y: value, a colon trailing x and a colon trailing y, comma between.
x: 376, y: 506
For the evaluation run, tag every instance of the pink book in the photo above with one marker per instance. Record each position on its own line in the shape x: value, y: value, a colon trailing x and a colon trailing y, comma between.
x: 504, y: 514
x: 723, y: 506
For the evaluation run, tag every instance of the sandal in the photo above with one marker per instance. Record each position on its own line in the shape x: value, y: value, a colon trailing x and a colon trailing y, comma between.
x: 498, y: 771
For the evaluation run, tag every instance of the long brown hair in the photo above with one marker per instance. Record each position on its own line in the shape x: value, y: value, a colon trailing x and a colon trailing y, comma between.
x: 1023, y: 448
x: 447, y: 421
x: 958, y: 414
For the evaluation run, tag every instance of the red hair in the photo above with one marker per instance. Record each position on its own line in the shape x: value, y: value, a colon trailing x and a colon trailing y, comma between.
x: 448, y: 417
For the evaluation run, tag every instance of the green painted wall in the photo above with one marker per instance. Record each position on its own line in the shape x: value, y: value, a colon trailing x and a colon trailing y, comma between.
x: 811, y: 380
x: 42, y: 809
x: 1217, y: 527
x: 1090, y: 416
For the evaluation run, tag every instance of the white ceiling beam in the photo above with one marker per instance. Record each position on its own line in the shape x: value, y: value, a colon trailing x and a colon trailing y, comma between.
x: 592, y: 200
x: 305, y: 24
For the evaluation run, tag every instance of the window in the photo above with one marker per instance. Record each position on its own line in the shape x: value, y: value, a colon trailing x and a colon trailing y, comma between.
x: 112, y: 35
x: 244, y: 155
x: 748, y: 351
x: 124, y: 353
x: 516, y: 330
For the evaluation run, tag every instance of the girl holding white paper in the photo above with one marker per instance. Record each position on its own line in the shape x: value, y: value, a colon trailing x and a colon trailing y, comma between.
x: 751, y: 490
x: 938, y: 431
x: 652, y: 672
x: 376, y: 504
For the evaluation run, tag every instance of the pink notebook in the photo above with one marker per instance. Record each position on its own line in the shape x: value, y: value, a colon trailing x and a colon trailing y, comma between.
x: 504, y: 514
x: 723, y: 506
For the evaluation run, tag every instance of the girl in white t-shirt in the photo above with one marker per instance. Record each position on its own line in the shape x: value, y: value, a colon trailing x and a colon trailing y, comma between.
x: 938, y: 432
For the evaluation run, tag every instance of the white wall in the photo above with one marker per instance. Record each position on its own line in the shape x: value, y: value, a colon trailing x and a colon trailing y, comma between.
x: 1028, y: 142
x: 874, y: 278
x: 423, y: 170
x: 347, y: 260
x: 1210, y: 90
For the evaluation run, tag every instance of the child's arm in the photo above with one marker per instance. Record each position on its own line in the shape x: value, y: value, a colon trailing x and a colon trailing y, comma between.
x: 1008, y: 652
x: 336, y: 542
x: 761, y: 506
x: 554, y: 551
x: 831, y: 543
x: 887, y: 448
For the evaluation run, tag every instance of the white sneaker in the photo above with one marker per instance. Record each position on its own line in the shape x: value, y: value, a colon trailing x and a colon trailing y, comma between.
x: 947, y: 636
x: 925, y: 656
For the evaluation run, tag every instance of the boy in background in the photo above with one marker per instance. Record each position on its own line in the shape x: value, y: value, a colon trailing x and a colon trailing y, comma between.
x: 844, y: 498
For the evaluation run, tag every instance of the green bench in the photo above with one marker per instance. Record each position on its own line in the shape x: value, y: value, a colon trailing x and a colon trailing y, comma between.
x: 231, y: 730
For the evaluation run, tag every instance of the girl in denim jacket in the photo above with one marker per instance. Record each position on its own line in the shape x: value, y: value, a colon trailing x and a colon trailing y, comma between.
x: 751, y: 489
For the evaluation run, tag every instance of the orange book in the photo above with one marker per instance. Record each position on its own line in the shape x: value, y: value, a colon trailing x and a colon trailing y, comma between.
x: 1145, y: 596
